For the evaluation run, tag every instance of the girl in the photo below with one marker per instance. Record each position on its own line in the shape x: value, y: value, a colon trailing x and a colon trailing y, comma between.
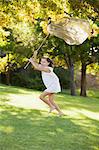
x: 50, y: 80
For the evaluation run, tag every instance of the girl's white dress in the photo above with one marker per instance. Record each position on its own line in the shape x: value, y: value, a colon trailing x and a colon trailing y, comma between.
x: 51, y: 81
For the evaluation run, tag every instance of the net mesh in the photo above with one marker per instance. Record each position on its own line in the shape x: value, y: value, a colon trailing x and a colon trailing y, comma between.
x: 72, y: 30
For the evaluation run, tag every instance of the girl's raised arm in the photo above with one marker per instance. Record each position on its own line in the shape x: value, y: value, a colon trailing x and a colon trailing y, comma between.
x: 38, y: 66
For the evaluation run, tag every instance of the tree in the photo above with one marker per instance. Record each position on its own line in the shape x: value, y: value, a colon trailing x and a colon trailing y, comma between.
x: 88, y: 53
x: 27, y: 21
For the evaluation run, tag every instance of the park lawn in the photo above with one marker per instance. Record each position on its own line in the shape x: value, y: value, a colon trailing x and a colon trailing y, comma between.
x: 26, y: 125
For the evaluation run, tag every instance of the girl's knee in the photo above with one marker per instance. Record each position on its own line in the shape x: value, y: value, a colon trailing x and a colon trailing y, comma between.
x: 41, y: 97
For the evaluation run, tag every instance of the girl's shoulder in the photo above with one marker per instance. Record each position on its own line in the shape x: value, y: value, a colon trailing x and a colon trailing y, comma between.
x: 50, y: 68
x: 46, y: 69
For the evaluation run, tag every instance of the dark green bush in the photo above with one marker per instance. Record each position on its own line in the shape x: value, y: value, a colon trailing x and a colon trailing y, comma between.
x: 64, y: 76
x: 27, y: 79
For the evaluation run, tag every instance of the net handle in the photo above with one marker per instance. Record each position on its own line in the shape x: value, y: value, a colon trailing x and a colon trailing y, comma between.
x: 37, y: 50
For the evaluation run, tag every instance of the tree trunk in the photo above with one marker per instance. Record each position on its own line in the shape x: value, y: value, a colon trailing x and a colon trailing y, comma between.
x: 71, y: 68
x: 8, y: 77
x: 8, y: 71
x: 83, y: 80
x: 72, y: 82
x: 70, y: 64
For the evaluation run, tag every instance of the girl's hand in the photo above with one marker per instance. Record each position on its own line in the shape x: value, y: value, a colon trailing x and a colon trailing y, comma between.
x: 31, y: 60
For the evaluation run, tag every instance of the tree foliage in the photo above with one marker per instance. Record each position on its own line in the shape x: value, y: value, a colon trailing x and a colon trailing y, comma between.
x: 23, y: 26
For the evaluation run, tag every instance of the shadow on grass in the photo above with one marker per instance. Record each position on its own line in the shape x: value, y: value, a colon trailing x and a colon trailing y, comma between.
x: 88, y: 103
x: 2, y: 99
x: 27, y: 129
x: 4, y: 90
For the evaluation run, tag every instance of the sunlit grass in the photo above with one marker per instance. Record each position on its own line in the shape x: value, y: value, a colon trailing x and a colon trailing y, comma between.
x: 26, y: 125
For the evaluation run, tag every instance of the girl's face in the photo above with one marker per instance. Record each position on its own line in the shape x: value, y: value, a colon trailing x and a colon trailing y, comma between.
x: 44, y: 62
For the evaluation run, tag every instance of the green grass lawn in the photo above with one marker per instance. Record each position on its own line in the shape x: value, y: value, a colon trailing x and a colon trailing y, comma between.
x: 26, y: 125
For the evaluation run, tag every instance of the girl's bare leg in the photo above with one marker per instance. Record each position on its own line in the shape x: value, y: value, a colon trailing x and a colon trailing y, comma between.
x: 51, y: 99
x: 42, y: 97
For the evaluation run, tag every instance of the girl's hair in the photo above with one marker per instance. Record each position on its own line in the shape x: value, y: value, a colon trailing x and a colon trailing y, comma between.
x: 49, y: 61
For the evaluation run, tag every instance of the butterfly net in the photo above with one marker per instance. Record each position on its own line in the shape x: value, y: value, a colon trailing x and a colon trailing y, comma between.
x: 72, y: 30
